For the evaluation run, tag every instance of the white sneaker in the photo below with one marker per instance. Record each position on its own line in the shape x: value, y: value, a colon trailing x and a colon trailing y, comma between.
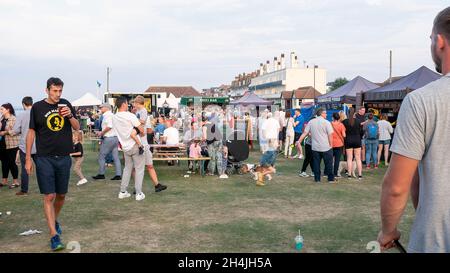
x: 140, y: 196
x: 123, y: 195
x: 223, y: 176
x: 269, y: 177
x: 304, y: 174
x: 82, y: 182
x: 300, y: 157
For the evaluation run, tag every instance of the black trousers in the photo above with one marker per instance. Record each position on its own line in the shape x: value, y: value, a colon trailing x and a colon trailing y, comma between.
x: 8, y: 158
x: 337, y: 153
x: 308, y: 158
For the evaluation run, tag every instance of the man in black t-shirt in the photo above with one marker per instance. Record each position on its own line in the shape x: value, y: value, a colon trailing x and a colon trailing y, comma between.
x: 51, y: 124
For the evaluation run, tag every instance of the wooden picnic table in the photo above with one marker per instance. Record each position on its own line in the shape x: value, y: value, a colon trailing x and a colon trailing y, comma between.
x: 178, y: 152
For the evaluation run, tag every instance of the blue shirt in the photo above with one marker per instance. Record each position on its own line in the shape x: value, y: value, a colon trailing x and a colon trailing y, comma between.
x: 301, y: 121
x: 160, y: 129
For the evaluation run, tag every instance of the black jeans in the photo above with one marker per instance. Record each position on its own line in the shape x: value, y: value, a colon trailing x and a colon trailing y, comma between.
x: 24, y: 175
x: 8, y: 158
x: 328, y: 159
x: 337, y: 153
x: 308, y: 158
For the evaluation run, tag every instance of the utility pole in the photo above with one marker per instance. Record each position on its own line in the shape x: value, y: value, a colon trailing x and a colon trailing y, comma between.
x: 108, y: 70
x: 390, y: 66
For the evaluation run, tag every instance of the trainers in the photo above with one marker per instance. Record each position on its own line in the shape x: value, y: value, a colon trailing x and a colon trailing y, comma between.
x: 56, y: 244
x: 58, y: 228
x: 269, y: 177
x: 21, y: 193
x: 123, y: 195
x: 141, y: 150
x: 117, y: 177
x: 260, y: 184
x: 82, y: 182
x: 140, y: 196
x: 300, y: 157
x: 223, y: 176
x: 304, y: 174
x: 160, y: 187
x: 376, y: 167
x: 99, y: 176
x: 360, y: 177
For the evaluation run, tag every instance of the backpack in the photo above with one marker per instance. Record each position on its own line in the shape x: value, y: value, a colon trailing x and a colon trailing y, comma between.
x: 372, y: 131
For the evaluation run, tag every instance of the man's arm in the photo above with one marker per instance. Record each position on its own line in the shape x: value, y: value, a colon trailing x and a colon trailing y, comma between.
x: 29, y: 144
x: 394, y: 197
x: 415, y: 190
x: 74, y: 123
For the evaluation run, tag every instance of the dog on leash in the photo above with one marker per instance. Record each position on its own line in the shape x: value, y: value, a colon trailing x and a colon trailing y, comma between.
x: 343, y: 166
x: 256, y: 170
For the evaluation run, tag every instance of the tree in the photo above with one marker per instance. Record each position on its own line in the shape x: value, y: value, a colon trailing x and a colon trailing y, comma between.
x: 338, y: 83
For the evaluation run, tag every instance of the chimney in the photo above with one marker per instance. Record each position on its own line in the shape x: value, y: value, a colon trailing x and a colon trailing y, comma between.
x: 275, y: 63
x: 268, y: 70
x: 283, y: 62
x: 261, y: 68
x: 294, y: 60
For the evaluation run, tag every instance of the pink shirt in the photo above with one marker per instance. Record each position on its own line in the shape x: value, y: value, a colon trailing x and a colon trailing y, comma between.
x: 195, y: 152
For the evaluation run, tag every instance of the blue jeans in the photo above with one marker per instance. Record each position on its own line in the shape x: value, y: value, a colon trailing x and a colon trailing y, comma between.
x: 24, y: 178
x: 109, y: 145
x: 328, y: 159
x: 337, y: 153
x: 371, y: 151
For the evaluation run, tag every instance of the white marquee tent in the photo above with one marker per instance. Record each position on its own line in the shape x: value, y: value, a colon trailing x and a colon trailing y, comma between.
x: 87, y: 100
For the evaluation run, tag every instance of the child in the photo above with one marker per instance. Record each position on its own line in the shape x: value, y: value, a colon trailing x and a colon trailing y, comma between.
x: 195, y: 151
x: 77, y: 156
x: 267, y: 162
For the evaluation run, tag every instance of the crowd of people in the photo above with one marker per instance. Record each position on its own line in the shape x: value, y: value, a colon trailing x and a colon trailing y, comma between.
x: 48, y: 133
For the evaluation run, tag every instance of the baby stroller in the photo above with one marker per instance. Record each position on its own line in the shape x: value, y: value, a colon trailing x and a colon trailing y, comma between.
x: 238, y: 151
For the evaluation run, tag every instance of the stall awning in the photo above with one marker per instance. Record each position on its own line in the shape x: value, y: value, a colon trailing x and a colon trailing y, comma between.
x: 205, y: 100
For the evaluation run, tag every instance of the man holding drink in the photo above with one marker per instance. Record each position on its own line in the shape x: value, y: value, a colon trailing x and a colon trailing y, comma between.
x: 51, y: 124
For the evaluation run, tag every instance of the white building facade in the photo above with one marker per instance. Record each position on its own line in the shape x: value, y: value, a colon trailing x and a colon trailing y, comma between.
x: 277, y: 77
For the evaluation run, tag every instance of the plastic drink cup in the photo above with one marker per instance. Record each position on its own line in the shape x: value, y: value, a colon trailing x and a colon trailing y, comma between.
x: 299, y: 241
x: 60, y: 107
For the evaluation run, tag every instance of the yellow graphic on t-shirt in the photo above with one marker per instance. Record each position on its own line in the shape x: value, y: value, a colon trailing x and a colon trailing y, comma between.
x: 55, y: 122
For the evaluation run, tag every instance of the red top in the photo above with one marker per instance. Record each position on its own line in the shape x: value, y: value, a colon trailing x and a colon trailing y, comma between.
x: 338, y: 134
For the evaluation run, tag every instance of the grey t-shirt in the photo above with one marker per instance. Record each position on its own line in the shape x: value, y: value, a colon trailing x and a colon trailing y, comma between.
x: 320, y: 129
x: 143, y: 115
x: 21, y: 127
x: 423, y: 133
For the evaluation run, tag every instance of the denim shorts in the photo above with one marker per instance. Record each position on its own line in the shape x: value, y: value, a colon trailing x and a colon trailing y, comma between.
x: 384, y: 142
x: 268, y: 158
x: 53, y: 174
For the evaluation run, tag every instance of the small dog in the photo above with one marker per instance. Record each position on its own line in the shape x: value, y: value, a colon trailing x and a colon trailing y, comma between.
x: 343, y: 166
x: 255, y: 170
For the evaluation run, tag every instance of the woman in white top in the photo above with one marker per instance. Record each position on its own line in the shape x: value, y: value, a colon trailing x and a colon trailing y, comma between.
x: 384, y: 140
x: 290, y: 134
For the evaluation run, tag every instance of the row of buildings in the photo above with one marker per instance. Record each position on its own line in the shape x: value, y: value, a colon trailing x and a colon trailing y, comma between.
x: 282, y: 81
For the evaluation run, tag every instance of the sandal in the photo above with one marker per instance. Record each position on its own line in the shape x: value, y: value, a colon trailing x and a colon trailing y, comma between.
x: 14, y: 186
x: 3, y: 185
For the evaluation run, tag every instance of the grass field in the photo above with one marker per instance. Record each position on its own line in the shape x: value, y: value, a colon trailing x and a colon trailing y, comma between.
x: 205, y: 214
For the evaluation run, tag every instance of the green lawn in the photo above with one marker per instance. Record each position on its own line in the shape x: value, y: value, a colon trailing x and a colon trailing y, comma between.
x: 206, y: 214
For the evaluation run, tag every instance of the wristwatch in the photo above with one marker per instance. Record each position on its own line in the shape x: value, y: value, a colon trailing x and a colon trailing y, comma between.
x: 69, y: 116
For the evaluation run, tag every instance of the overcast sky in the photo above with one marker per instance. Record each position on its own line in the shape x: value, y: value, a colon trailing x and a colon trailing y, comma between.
x: 202, y: 43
